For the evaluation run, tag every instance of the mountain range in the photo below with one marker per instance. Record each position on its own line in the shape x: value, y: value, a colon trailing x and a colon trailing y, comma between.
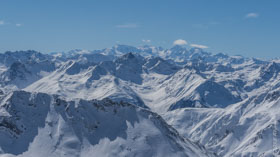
x: 138, y: 101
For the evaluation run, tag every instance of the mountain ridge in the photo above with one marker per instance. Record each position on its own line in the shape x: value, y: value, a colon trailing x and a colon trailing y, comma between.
x: 76, y: 126
x: 226, y: 103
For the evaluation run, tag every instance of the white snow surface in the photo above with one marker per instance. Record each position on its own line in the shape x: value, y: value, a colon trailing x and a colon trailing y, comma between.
x: 228, y: 104
x: 37, y: 124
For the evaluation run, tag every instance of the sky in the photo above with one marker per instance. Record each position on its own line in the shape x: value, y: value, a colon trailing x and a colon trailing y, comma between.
x: 236, y: 27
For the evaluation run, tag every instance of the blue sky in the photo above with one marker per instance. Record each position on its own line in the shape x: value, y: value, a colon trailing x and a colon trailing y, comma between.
x: 246, y: 27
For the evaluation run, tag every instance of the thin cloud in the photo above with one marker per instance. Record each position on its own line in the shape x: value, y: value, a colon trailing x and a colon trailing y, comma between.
x: 199, y: 46
x: 251, y: 15
x: 180, y: 42
x: 146, y: 40
x: 2, y: 22
x: 128, y: 25
x: 18, y: 24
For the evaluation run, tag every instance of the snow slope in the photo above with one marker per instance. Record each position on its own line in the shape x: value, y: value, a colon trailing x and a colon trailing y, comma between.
x: 151, y: 82
x: 227, y: 103
x: 249, y: 128
x: 37, y: 124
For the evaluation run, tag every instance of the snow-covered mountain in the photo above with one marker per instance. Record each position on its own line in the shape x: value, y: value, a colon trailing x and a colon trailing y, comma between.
x: 37, y: 124
x: 151, y: 82
x: 249, y: 128
x: 226, y: 103
x: 8, y: 58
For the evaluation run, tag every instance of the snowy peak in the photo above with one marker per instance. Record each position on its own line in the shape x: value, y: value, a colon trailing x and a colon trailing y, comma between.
x: 221, y: 55
x: 227, y: 103
x: 270, y: 70
x: 24, y: 73
x: 126, y: 49
x: 178, y: 54
x: 196, y: 53
x: 16, y: 74
x: 180, y: 50
x: 134, y: 78
x: 81, y: 128
x: 130, y: 58
x: 243, y: 129
x: 160, y: 66
x: 76, y: 67
x: 8, y: 58
x: 129, y: 67
x: 207, y: 93
x: 17, y: 70
x: 214, y: 94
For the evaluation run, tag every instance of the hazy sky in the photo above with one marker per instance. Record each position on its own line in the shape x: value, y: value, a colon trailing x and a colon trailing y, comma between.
x: 246, y: 27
